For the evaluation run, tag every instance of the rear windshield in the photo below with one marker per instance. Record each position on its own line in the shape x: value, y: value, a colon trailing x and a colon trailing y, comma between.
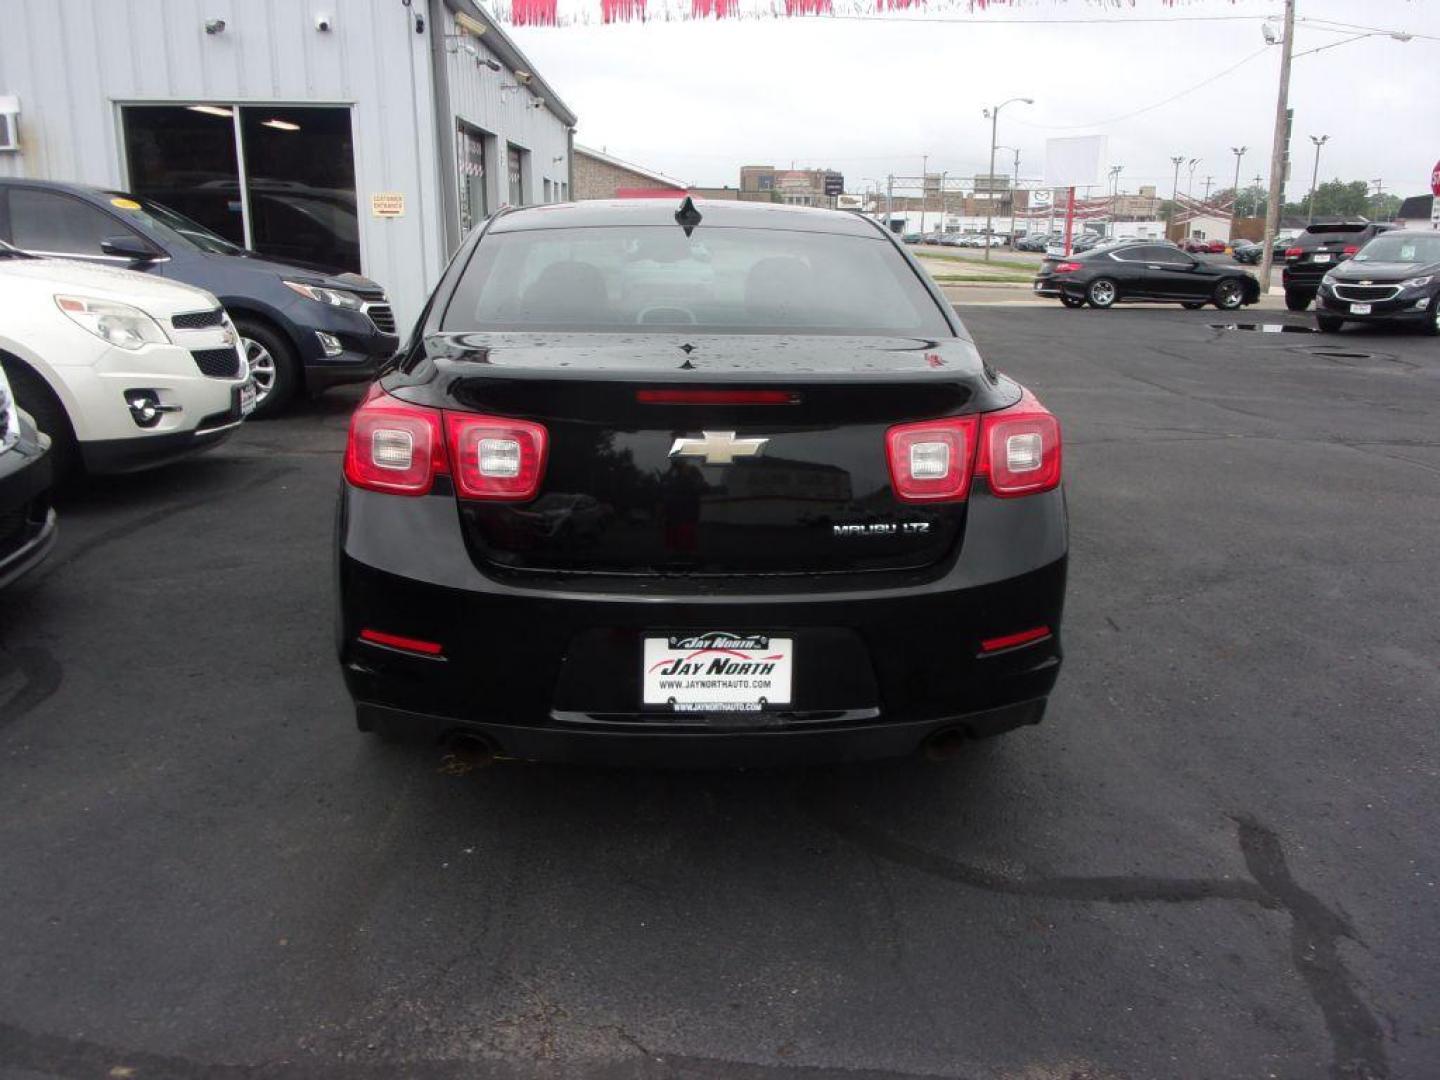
x: 1401, y: 249
x: 719, y: 280
x: 1331, y: 233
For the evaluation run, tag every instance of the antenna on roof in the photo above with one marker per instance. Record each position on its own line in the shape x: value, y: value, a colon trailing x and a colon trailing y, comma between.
x: 687, y: 216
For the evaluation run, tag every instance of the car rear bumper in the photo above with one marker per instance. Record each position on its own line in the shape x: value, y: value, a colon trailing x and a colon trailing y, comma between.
x: 555, y: 672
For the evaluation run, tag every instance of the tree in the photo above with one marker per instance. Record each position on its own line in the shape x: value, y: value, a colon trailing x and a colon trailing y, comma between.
x: 1337, y: 199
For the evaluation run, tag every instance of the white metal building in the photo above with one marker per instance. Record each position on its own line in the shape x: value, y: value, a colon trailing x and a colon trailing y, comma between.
x: 370, y: 134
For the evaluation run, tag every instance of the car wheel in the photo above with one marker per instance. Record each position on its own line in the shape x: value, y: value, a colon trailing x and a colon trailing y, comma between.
x: 1229, y: 294
x: 1072, y: 301
x: 1328, y: 324
x: 1102, y: 293
x: 272, y: 364
x: 1191, y: 305
x: 1296, y: 301
x: 1432, y: 321
x: 33, y: 394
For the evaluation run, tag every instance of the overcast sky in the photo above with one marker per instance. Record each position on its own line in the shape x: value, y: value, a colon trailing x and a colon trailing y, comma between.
x: 698, y: 100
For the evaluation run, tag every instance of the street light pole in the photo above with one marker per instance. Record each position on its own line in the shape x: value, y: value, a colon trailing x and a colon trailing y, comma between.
x: 994, y: 114
x: 1239, y: 152
x: 924, y: 194
x: 1115, y: 171
x: 1315, y: 176
x: 1277, y: 150
x: 1177, y: 161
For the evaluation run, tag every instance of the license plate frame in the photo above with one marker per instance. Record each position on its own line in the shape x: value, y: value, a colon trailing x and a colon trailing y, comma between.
x: 245, y: 395
x: 1360, y: 309
x: 717, y: 672
x: 1320, y: 258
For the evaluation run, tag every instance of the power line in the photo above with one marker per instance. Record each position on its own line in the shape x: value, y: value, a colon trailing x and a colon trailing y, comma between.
x: 1150, y: 108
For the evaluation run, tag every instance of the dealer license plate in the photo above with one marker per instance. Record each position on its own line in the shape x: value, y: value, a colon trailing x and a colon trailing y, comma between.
x: 1359, y: 309
x: 717, y: 671
x: 1320, y: 258
x: 247, y: 398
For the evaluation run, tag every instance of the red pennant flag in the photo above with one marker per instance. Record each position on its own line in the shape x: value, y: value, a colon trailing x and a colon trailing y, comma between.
x: 532, y: 12
x: 807, y: 7
x: 719, y: 9
x: 622, y: 11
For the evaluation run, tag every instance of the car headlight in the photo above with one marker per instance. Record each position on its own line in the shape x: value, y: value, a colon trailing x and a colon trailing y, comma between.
x: 1328, y: 279
x: 121, y: 325
x: 332, y: 297
x: 1417, y: 282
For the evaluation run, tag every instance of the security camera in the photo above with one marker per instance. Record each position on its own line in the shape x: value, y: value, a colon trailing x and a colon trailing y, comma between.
x: 487, y: 62
x: 323, y: 23
x: 523, y: 77
x: 538, y: 103
x: 214, y: 26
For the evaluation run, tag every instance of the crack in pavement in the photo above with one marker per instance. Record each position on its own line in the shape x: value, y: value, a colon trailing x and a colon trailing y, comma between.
x: 1356, y: 1037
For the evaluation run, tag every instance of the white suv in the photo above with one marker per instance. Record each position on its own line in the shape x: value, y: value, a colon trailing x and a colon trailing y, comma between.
x: 121, y: 370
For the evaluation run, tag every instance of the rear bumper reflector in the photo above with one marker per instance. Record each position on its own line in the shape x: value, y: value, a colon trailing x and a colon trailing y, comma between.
x: 1010, y: 641
x: 396, y: 641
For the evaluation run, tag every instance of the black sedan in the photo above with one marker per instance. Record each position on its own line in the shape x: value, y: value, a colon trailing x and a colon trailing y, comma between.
x: 1115, y: 273
x: 1247, y: 252
x: 1393, y: 278
x: 303, y: 328
x: 809, y: 520
x: 27, y: 522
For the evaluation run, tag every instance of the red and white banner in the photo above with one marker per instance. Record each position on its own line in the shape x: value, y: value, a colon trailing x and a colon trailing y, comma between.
x: 594, y: 12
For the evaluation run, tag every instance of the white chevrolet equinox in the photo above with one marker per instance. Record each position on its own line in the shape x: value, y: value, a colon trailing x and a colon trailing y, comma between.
x: 121, y: 370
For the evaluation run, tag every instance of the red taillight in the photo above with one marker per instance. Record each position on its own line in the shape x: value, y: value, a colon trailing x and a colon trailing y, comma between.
x: 396, y: 641
x: 1351, y: 249
x: 1068, y: 267
x: 394, y: 446
x: 1291, y: 253
x: 715, y: 397
x: 400, y: 448
x: 493, y: 457
x: 930, y: 461
x: 1020, y: 449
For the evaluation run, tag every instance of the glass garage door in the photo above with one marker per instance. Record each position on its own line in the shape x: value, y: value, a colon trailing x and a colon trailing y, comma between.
x: 278, y: 179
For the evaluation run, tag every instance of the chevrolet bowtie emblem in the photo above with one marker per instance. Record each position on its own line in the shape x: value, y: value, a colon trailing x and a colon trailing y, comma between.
x: 717, y: 447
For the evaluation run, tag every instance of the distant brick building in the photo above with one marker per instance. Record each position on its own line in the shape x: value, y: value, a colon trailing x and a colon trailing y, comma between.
x: 600, y: 176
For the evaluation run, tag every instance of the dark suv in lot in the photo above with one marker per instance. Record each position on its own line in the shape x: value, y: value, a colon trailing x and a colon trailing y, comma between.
x: 1393, y: 278
x: 304, y: 328
x: 1317, y: 250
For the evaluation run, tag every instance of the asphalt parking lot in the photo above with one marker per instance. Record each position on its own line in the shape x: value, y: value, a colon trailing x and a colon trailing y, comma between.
x: 1217, y: 856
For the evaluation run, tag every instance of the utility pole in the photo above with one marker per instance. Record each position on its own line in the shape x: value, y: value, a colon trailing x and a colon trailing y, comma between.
x: 1239, y: 152
x: 1277, y: 150
x: 1190, y: 183
x: 1208, y: 181
x: 889, y: 201
x: 1315, y: 176
x: 1014, y: 192
x: 1177, y: 161
x: 1379, y: 189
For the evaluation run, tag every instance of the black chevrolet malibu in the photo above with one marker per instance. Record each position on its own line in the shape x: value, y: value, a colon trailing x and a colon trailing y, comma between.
x: 715, y: 482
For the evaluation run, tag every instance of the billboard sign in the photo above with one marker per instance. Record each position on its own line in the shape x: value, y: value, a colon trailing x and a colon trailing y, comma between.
x: 1074, y: 162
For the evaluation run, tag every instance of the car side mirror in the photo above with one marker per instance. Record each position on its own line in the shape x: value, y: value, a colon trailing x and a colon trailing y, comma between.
x: 128, y: 247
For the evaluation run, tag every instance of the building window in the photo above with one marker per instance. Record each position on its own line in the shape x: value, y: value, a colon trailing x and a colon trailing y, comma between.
x: 295, y: 197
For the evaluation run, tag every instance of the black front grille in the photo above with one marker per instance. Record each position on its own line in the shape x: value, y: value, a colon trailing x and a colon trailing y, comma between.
x: 1365, y: 293
x: 382, y: 316
x: 197, y: 320
x: 217, y: 363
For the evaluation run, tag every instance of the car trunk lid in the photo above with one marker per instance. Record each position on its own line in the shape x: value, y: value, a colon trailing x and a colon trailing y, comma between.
x: 708, y: 455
